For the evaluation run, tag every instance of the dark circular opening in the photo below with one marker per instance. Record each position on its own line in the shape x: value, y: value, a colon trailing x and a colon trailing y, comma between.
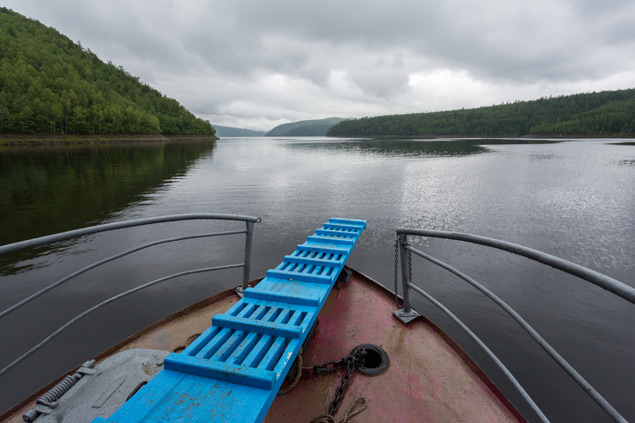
x: 373, y: 359
x: 376, y: 360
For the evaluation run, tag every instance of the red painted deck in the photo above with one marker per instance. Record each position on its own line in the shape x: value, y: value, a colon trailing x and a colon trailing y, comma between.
x: 429, y: 378
x: 427, y: 381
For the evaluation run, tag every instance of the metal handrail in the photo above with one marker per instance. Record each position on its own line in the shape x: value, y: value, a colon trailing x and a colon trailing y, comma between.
x: 249, y: 222
x: 489, y: 352
x: 36, y: 242
x: 618, y: 288
x: 104, y: 261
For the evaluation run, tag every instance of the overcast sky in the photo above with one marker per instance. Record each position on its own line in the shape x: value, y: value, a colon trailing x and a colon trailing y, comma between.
x: 256, y: 64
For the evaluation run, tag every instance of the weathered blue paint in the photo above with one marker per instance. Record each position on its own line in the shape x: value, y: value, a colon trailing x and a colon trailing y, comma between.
x: 233, y: 371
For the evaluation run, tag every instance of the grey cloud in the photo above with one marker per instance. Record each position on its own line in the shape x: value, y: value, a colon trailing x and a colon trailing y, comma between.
x: 498, y: 40
x: 215, y: 55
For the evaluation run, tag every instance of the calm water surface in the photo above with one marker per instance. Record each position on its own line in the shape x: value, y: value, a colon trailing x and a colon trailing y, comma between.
x: 572, y: 199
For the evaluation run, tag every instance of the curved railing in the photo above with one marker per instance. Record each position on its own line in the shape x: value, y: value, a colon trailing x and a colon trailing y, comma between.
x: 36, y: 242
x: 407, y: 313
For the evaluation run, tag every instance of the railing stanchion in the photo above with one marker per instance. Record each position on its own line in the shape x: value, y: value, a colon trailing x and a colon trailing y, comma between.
x: 36, y: 242
x: 403, y: 256
x: 407, y: 313
x: 615, y: 287
x: 248, y: 241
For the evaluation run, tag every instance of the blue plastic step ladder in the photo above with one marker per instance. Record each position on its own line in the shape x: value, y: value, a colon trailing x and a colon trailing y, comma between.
x: 233, y: 371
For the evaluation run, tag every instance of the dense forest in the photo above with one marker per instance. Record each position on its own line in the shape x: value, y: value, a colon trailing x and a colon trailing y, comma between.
x: 608, y: 113
x: 49, y: 84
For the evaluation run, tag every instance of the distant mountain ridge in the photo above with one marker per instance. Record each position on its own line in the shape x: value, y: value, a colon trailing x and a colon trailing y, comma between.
x: 229, y: 131
x: 607, y: 113
x: 51, y: 85
x: 305, y: 128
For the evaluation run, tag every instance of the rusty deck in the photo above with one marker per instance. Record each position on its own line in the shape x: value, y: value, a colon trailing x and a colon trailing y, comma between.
x: 429, y: 379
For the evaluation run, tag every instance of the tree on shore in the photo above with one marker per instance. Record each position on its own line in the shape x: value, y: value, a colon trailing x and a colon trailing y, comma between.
x: 588, y: 114
x: 49, y: 84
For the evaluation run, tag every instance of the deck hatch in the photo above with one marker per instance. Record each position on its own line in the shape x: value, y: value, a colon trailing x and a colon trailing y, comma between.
x: 246, y: 353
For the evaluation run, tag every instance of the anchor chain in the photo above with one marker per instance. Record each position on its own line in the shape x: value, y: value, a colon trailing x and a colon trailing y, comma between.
x: 351, y: 362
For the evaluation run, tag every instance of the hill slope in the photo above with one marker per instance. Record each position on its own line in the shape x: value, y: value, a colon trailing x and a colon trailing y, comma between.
x: 229, y: 131
x: 49, y: 84
x: 594, y: 114
x: 304, y: 128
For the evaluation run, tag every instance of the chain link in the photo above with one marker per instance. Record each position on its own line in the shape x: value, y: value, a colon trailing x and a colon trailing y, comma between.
x: 351, y: 362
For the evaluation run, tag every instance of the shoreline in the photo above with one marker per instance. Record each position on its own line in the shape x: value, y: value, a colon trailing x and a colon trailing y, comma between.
x: 485, y: 137
x: 30, y: 140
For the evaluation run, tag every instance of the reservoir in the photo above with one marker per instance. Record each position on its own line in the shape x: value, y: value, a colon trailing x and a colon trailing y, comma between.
x: 571, y: 198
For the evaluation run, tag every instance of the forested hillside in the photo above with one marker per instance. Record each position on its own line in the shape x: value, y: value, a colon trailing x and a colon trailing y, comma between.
x: 304, y: 128
x: 229, y: 131
x: 49, y: 84
x: 608, y: 113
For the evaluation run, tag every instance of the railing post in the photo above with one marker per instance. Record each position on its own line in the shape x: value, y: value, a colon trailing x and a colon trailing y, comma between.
x: 247, y: 264
x: 405, y: 275
x: 407, y: 313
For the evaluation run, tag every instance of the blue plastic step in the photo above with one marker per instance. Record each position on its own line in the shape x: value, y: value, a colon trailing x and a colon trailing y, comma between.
x: 233, y: 371
x: 289, y: 298
x: 330, y: 239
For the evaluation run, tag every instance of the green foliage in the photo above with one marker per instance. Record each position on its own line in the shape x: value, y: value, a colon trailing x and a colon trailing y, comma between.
x: 46, y: 190
x: 304, y: 128
x: 49, y: 84
x: 591, y: 114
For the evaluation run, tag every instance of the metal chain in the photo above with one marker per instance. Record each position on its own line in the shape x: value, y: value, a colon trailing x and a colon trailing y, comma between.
x: 396, y: 272
x: 352, y: 362
x: 328, y: 367
x: 344, y: 382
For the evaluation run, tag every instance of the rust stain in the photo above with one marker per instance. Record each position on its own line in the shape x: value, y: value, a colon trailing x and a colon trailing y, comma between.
x: 427, y: 381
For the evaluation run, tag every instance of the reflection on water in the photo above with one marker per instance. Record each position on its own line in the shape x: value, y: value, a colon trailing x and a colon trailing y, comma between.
x: 545, y: 156
x: 46, y: 190
x: 409, y: 148
x: 570, y: 199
